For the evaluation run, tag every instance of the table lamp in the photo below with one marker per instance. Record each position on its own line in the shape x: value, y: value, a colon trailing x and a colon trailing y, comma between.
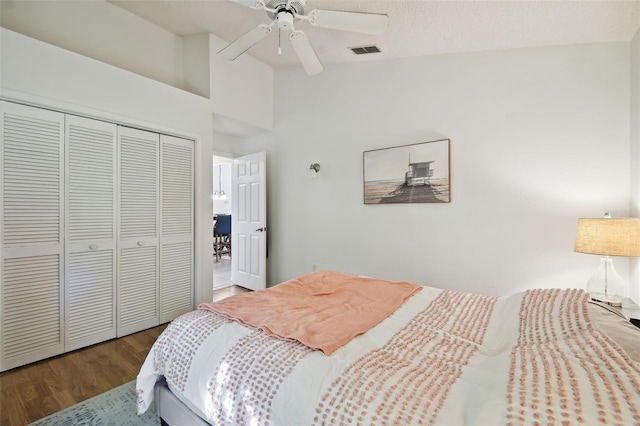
x: 608, y: 237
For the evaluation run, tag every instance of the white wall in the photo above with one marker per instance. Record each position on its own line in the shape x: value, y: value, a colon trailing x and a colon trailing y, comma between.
x: 635, y: 154
x: 101, y: 31
x: 195, y: 61
x: 241, y: 91
x: 540, y: 137
x: 46, y: 75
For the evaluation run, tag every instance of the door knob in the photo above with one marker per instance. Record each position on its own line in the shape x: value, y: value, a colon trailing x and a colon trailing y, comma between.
x: 261, y: 229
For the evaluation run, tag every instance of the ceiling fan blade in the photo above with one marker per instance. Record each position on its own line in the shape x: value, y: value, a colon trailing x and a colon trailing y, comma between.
x: 241, y: 45
x: 305, y: 53
x: 253, y: 4
x: 367, y: 23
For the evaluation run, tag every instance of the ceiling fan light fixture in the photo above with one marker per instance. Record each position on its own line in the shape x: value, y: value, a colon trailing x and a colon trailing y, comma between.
x: 285, y: 20
x: 284, y: 13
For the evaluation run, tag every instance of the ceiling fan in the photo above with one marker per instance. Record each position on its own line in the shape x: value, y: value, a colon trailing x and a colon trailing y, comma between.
x: 284, y: 13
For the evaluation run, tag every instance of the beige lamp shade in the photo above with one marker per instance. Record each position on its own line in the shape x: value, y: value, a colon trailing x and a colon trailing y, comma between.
x: 608, y: 236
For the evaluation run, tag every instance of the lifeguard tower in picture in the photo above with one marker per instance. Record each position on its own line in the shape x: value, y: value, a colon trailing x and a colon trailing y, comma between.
x: 418, y: 173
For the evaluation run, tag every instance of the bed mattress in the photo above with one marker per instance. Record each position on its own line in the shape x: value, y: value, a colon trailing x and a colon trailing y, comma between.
x: 443, y: 357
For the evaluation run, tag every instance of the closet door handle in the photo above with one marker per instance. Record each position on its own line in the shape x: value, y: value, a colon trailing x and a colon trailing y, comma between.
x: 93, y: 247
x: 141, y: 243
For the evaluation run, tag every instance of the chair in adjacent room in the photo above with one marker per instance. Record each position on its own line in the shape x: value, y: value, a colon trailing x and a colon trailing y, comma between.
x: 222, y: 236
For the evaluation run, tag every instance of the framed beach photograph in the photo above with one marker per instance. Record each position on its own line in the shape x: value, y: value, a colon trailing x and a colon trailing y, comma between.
x: 417, y: 173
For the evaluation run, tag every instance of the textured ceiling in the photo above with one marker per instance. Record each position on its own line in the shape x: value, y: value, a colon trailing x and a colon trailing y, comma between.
x: 416, y: 28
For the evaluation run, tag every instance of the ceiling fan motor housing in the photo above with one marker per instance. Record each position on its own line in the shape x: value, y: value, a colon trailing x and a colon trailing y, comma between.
x: 285, y: 20
x: 296, y: 7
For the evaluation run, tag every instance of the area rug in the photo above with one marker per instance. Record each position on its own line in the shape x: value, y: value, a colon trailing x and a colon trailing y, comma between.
x: 116, y: 407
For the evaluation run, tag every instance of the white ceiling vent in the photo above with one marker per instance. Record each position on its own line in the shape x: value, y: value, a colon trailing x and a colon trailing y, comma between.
x: 363, y: 50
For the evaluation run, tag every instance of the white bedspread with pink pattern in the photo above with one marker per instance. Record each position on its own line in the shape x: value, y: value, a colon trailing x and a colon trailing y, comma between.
x: 444, y: 357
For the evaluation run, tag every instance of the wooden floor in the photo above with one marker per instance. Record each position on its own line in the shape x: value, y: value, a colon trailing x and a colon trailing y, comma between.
x: 36, y: 390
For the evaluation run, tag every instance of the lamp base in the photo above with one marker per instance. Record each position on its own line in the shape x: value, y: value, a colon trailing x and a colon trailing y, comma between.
x: 607, y: 298
x: 606, y: 285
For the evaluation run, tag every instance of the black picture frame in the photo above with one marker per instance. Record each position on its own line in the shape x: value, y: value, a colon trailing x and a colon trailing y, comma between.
x: 415, y: 173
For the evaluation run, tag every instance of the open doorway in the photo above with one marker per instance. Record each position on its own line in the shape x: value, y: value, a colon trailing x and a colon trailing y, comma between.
x: 222, y: 202
x: 239, y: 197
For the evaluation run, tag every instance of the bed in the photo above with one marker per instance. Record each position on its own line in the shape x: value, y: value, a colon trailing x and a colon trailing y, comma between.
x: 442, y: 357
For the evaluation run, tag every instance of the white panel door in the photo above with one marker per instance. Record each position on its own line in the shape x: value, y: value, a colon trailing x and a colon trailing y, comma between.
x: 138, y: 251
x: 176, y: 237
x: 249, y: 222
x: 31, y: 246
x: 91, y: 232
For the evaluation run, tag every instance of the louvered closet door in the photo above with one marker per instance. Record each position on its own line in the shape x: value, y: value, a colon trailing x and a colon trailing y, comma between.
x: 176, y: 238
x: 90, y: 238
x: 31, y: 249
x: 138, y: 251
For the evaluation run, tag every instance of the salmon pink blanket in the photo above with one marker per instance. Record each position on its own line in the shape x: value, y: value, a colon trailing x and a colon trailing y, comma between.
x: 323, y: 310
